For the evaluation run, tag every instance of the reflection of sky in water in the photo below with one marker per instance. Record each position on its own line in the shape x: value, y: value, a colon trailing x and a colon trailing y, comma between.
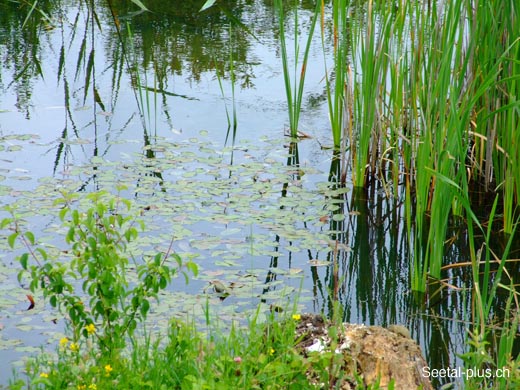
x: 205, y: 221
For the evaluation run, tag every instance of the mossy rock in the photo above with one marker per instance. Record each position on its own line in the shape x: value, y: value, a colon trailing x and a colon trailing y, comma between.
x: 372, y: 353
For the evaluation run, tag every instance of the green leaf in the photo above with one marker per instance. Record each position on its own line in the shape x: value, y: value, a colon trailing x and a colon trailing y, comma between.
x: 70, y: 235
x: 5, y: 222
x: 140, y: 5
x: 114, y: 316
x: 193, y: 268
x: 130, y: 234
x: 135, y: 302
x: 43, y: 253
x: 132, y: 325
x: 163, y: 282
x: 30, y: 237
x: 23, y: 260
x: 63, y: 213
x: 207, y: 4
x: 145, y: 307
x: 11, y: 239
x: 92, y: 243
x: 99, y: 308
x: 73, y: 313
x: 177, y: 259
x: 75, y: 217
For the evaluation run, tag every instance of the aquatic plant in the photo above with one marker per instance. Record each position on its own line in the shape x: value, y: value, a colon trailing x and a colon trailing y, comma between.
x: 294, y: 81
x: 430, y: 97
x: 232, y: 123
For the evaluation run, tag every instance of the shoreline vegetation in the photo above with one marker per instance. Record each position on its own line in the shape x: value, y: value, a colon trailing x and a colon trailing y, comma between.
x: 423, y: 102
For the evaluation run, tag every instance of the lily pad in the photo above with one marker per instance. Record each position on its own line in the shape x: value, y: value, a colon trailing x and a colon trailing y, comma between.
x: 319, y: 263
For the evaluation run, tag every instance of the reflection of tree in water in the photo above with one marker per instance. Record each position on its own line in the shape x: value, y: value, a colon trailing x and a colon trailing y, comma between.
x: 88, y: 49
x: 20, y: 48
x: 173, y: 39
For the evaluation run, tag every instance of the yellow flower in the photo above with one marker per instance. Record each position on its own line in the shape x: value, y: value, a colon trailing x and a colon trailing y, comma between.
x: 296, y: 317
x: 63, y: 341
x: 271, y: 351
x: 108, y: 369
x: 92, y: 386
x: 74, y: 347
x: 91, y: 328
x: 44, y: 375
x: 82, y: 387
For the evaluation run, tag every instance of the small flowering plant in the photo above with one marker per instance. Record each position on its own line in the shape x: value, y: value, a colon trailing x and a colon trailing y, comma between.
x: 91, y: 329
x: 98, y: 236
x: 108, y: 369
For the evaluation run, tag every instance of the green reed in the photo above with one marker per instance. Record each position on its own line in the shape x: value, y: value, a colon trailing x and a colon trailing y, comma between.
x: 294, y: 81
x: 425, y: 105
x: 491, y: 347
x: 496, y: 30
x: 339, y: 93
x: 444, y: 148
x: 232, y: 120
x: 435, y: 107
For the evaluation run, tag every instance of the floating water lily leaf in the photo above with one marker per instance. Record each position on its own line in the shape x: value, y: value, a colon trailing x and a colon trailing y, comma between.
x: 212, y: 274
x: 319, y: 263
x: 204, y: 244
x: 14, y: 148
x: 226, y: 263
x: 292, y: 248
x: 21, y: 178
x: 230, y: 231
x: 97, y: 160
x: 10, y: 343
x: 28, y: 349
x: 25, y: 327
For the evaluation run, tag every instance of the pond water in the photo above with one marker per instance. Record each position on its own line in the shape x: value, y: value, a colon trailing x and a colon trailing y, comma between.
x: 95, y: 98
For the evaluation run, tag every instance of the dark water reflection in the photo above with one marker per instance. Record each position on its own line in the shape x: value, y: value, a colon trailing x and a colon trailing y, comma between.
x: 108, y: 80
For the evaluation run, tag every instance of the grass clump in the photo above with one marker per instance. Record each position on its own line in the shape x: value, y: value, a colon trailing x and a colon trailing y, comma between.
x: 259, y: 356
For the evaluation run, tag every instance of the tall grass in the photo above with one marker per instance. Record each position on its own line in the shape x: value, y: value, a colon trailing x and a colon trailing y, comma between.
x: 261, y: 355
x: 444, y: 109
x: 339, y: 88
x: 486, y: 336
x: 435, y: 93
x: 294, y: 80
x: 370, y: 46
x: 496, y: 54
x: 231, y: 119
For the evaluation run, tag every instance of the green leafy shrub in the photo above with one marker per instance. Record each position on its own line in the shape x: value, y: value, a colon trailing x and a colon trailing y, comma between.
x: 93, y: 288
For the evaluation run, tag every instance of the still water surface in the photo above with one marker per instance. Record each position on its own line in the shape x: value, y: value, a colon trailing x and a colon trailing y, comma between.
x: 85, y: 105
